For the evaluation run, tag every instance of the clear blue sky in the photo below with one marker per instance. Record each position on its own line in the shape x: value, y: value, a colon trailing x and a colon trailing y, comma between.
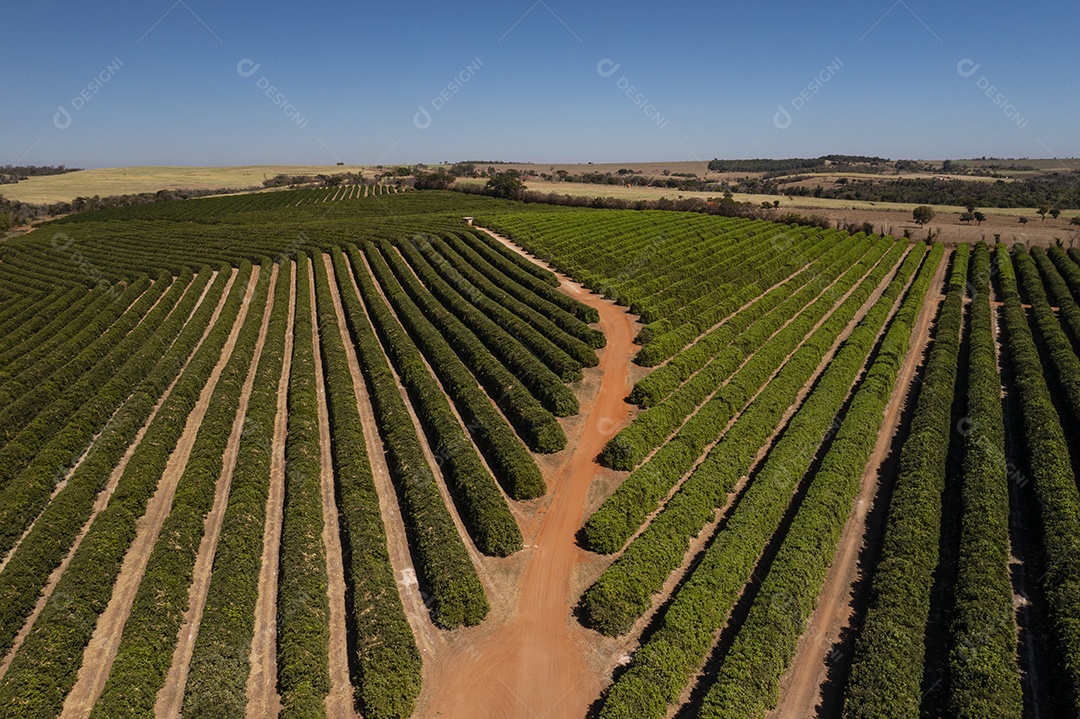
x: 710, y: 78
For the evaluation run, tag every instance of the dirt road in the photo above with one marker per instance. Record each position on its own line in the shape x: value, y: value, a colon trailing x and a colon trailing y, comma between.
x: 263, y: 700
x: 534, y: 664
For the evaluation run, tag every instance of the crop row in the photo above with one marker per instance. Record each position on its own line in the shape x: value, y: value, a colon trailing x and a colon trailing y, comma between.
x: 545, y: 385
x: 443, y: 562
x: 653, y: 427
x: 661, y: 382
x: 482, y: 507
x: 1059, y: 350
x: 1067, y: 265
x: 42, y: 391
x: 1055, y: 484
x: 748, y: 682
x: 303, y: 613
x: 663, y: 665
x: 20, y: 355
x: 984, y: 676
x: 529, y: 300
x: 622, y: 513
x: 53, y: 442
x: 386, y: 652
x: 145, y: 651
x: 42, y: 454
x: 770, y: 267
x: 536, y: 425
x: 54, y: 531
x: 507, y: 456
x: 1059, y: 291
x: 563, y: 354
x: 45, y: 668
x: 623, y: 592
x: 219, y: 667
x: 36, y: 328
x: 887, y: 671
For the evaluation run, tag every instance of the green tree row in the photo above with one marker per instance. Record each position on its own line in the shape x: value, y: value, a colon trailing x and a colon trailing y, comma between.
x: 608, y: 529
x: 1052, y: 474
x: 508, y: 458
x: 388, y: 660
x: 536, y: 425
x: 145, y: 651
x: 664, y: 664
x: 149, y: 372
x: 748, y: 683
x: 219, y: 667
x: 45, y: 668
x: 442, y: 561
x: 481, y: 506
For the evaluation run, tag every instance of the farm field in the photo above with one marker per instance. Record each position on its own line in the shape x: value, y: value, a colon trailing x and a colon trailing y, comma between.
x: 131, y: 180
x: 354, y: 452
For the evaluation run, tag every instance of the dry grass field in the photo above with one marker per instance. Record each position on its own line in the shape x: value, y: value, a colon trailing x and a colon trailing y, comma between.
x: 131, y: 180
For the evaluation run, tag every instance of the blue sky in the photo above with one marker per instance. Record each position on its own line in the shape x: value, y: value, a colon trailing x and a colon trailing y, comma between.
x: 186, y: 82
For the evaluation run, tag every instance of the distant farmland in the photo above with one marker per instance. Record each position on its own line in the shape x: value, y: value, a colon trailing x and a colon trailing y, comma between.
x: 358, y: 451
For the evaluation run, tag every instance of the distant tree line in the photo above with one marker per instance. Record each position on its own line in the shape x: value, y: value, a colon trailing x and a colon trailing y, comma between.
x: 825, y: 163
x: 1061, y: 191
x: 10, y: 174
x: 14, y: 213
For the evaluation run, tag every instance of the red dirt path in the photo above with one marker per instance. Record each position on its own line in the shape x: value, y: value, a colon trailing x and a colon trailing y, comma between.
x: 534, y: 663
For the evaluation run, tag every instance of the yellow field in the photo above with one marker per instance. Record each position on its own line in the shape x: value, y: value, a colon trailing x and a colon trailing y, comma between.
x: 130, y: 180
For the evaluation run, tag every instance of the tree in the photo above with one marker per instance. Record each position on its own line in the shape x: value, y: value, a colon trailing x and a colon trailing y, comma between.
x: 1043, y: 210
x: 1075, y: 220
x: 507, y: 185
x: 923, y: 214
x: 971, y: 207
x: 968, y: 216
x: 1023, y: 220
x: 980, y: 217
x: 1055, y: 213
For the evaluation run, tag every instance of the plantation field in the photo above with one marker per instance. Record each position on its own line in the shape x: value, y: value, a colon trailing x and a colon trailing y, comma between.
x: 343, y: 452
x: 132, y: 180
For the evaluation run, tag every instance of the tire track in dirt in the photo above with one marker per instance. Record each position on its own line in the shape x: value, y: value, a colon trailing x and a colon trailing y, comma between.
x: 263, y: 699
x: 170, y: 698
x: 103, y: 497
x: 535, y: 662
x: 339, y: 702
x: 801, y: 686
x: 100, y: 652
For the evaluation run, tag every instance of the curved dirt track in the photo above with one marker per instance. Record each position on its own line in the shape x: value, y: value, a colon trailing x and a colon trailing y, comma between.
x: 534, y: 662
